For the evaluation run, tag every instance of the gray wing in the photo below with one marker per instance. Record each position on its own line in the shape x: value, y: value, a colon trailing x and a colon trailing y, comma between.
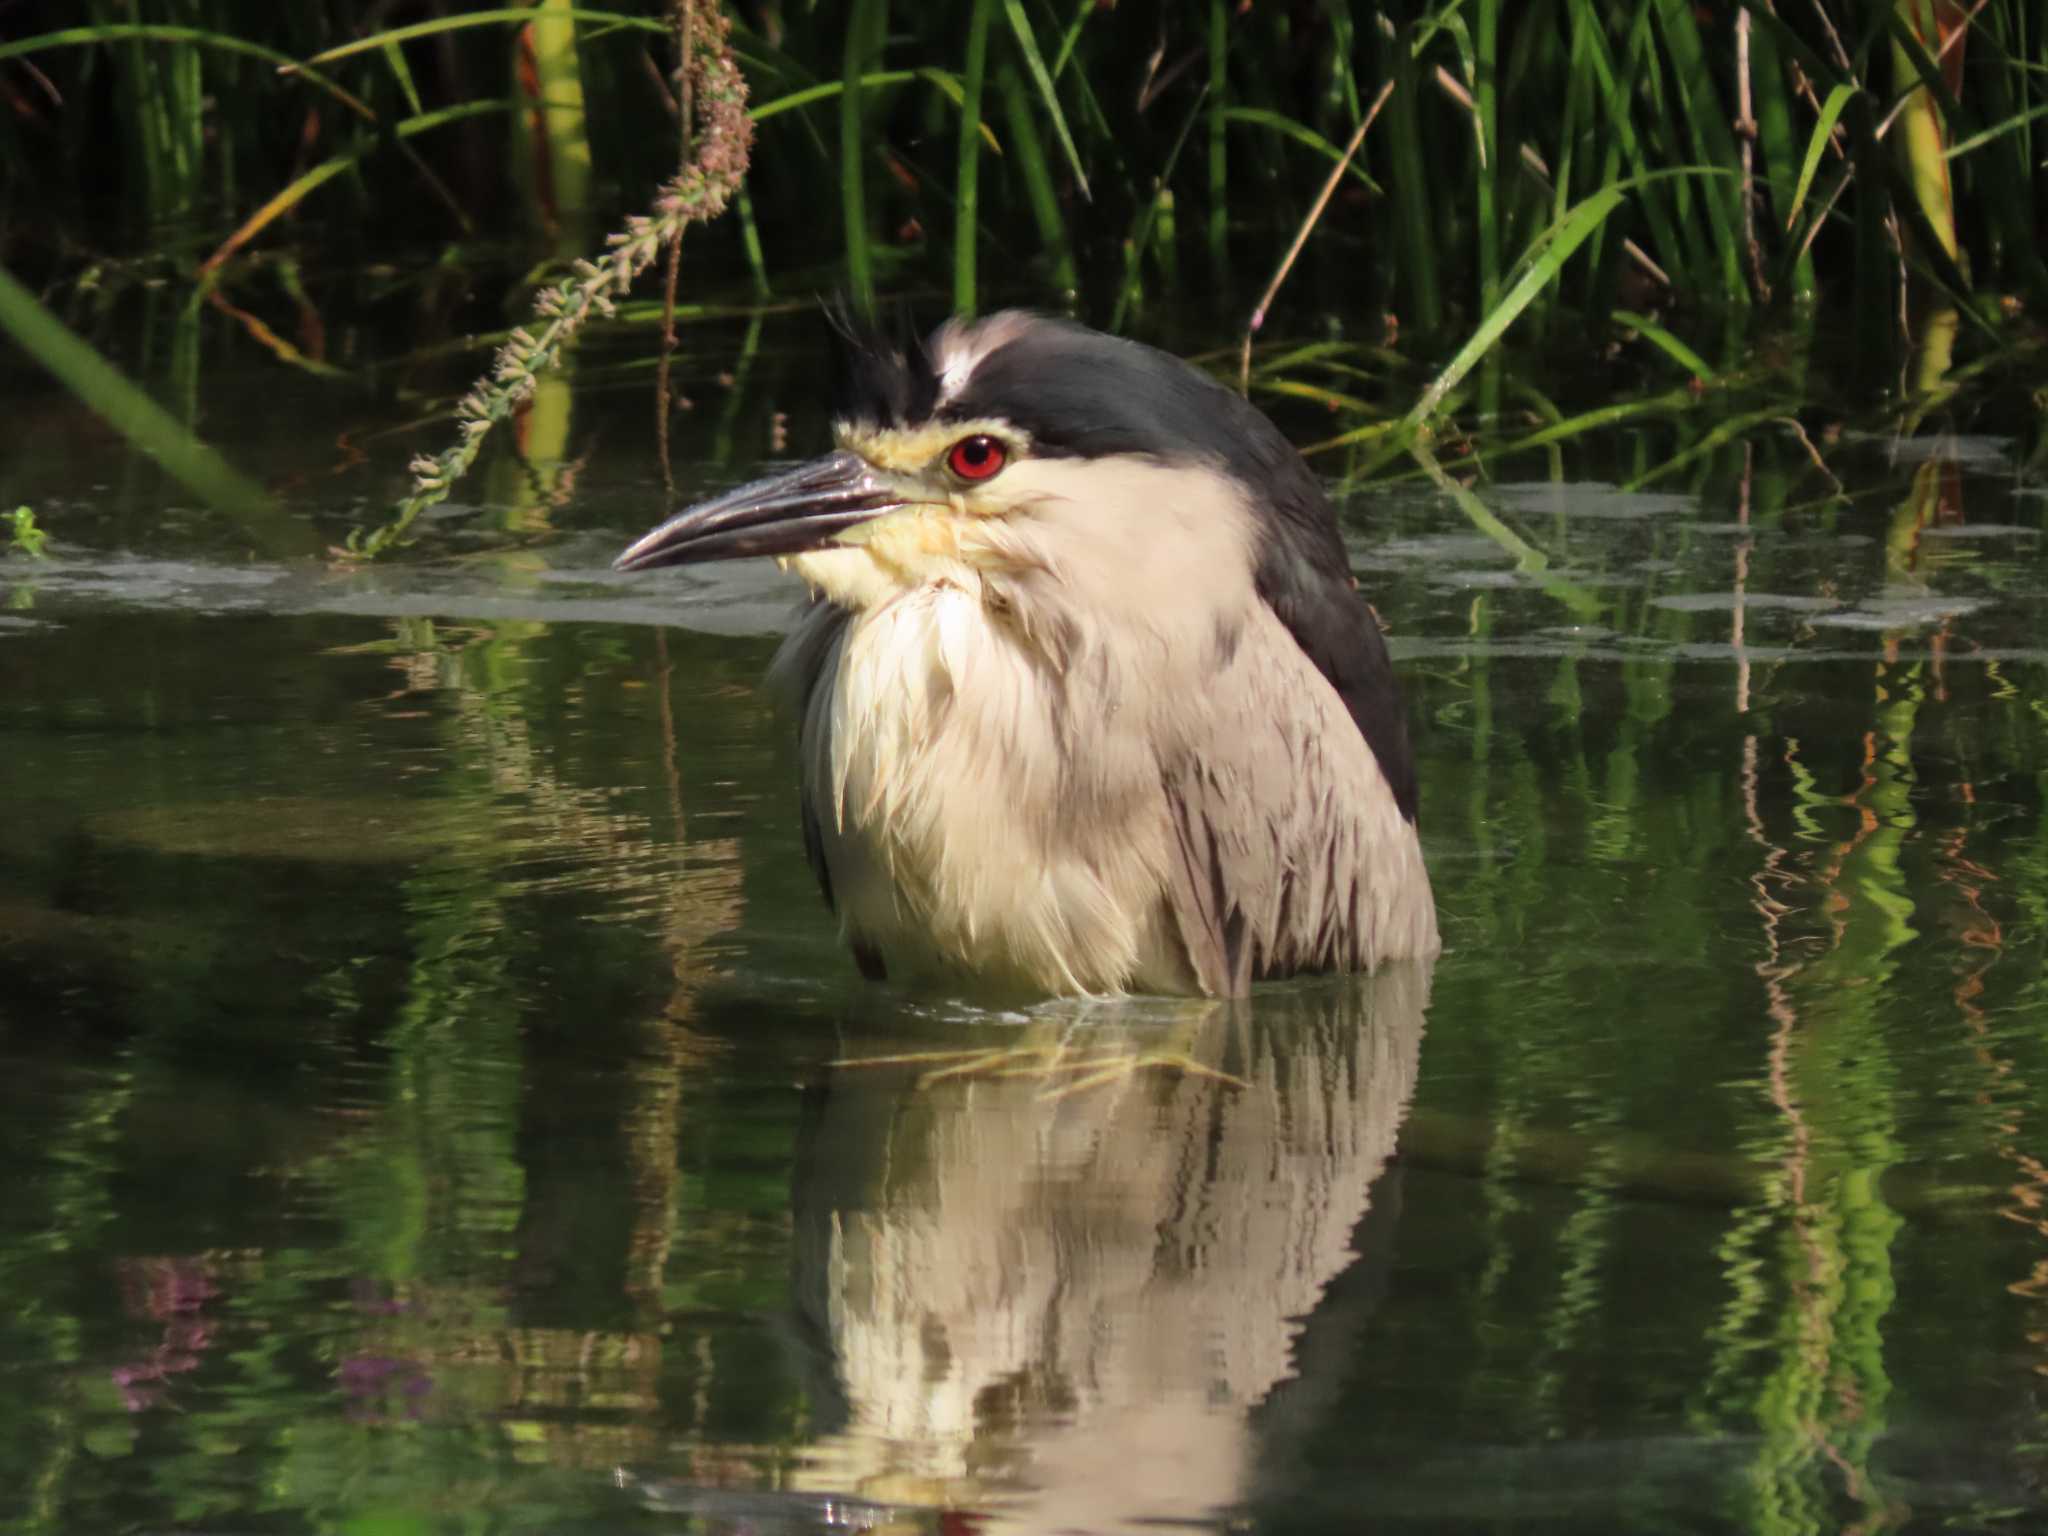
x: 1289, y: 850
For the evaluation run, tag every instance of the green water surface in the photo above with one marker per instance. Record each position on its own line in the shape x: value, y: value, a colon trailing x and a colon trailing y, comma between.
x: 422, y: 1091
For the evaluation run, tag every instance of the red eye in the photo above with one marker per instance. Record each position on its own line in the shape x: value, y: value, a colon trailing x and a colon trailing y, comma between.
x: 977, y: 457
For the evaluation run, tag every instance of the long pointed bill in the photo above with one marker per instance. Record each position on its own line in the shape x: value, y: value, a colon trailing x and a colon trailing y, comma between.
x: 784, y: 515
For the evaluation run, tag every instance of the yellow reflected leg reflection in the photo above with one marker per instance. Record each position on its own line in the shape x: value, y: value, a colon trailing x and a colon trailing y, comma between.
x: 1084, y: 1066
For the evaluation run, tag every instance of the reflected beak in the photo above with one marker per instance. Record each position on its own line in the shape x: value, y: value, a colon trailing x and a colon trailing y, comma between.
x: 787, y: 514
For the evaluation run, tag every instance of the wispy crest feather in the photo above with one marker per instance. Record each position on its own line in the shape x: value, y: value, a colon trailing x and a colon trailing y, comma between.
x: 885, y: 376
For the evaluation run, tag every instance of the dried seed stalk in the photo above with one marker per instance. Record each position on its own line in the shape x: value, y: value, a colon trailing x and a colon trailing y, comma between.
x: 698, y: 193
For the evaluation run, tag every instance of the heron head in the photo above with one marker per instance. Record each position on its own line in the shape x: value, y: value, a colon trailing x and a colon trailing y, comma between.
x: 1009, y: 441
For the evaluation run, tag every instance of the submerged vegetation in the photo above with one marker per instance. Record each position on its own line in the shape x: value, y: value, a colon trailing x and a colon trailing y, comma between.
x: 23, y: 536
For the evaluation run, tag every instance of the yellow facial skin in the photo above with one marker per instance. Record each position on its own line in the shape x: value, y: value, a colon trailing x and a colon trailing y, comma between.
x: 922, y: 450
x: 938, y: 535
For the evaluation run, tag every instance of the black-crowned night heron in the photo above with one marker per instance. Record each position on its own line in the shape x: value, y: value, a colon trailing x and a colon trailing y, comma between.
x: 1088, y: 699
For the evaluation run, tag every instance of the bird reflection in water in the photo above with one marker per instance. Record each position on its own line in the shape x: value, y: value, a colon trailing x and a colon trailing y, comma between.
x: 1061, y: 1311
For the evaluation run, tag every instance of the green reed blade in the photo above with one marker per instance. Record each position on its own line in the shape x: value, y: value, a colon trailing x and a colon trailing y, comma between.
x: 1998, y: 130
x: 1529, y: 560
x: 197, y: 37
x: 2001, y: 182
x: 1696, y: 103
x: 1773, y: 111
x: 1683, y: 246
x: 1731, y: 430
x: 1816, y: 146
x: 966, y: 199
x: 1540, y: 264
x: 750, y: 241
x: 1321, y: 353
x: 503, y: 17
x: 946, y: 83
x: 1587, y: 423
x: 131, y: 412
x: 1663, y: 134
x: 1141, y: 234
x: 1486, y: 109
x: 394, y: 60
x: 1576, y: 124
x: 1333, y: 399
x: 1533, y: 68
x: 1302, y: 134
x: 866, y: 26
x: 1600, y: 419
x: 1923, y: 169
x: 1033, y: 165
x: 1414, y: 207
x: 1166, y: 241
x: 1789, y: 44
x: 1343, y: 49
x: 1927, y: 252
x: 1875, y: 298
x: 558, y: 80
x: 1912, y: 52
x: 1801, y: 247
x: 1666, y: 343
x: 763, y: 59
x: 1219, y: 142
x: 1615, y: 89
x: 1034, y: 64
x: 954, y: 90
x: 1085, y: 9
x: 166, y: 85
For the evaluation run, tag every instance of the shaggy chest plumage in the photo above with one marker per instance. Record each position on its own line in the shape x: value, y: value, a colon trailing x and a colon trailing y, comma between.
x: 974, y: 821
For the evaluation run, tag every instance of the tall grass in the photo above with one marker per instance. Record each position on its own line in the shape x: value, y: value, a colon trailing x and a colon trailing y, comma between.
x: 1625, y: 165
x: 1904, y: 118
